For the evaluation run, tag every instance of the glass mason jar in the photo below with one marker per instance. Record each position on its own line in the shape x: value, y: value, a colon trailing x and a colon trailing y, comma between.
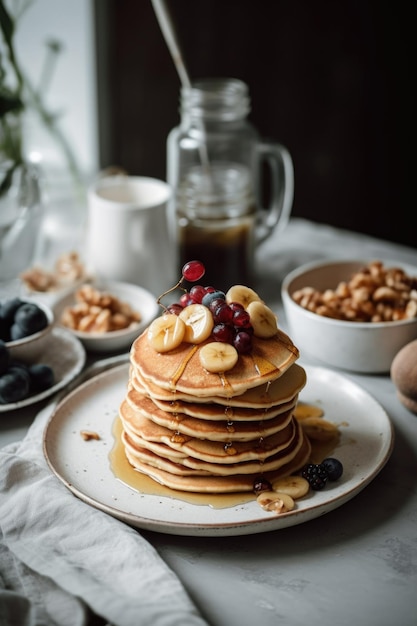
x: 21, y: 214
x: 216, y: 164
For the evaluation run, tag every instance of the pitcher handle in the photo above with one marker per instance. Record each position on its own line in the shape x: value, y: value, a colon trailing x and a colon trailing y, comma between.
x: 281, y: 193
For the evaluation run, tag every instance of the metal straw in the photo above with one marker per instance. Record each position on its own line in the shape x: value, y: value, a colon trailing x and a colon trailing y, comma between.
x: 168, y: 31
x: 167, y: 27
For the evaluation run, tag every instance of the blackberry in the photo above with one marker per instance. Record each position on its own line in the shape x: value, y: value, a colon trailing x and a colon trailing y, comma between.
x: 334, y: 468
x: 316, y: 475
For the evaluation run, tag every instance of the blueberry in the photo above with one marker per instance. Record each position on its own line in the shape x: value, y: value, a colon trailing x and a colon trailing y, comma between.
x: 17, y: 332
x: 4, y: 357
x: 333, y: 467
x: 30, y: 317
x: 4, y: 330
x: 8, y: 309
x: 14, y: 385
x: 41, y: 377
x: 209, y: 297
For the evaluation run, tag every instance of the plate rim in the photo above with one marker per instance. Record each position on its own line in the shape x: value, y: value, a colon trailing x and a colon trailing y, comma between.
x: 225, y: 528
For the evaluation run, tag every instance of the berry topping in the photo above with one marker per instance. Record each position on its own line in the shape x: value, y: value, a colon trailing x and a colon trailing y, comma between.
x: 193, y: 271
x: 223, y: 332
x: 211, y: 296
x: 232, y: 318
x: 222, y: 314
x: 316, y: 475
x: 334, y: 468
x: 175, y: 308
x: 261, y: 484
x: 243, y: 342
x: 241, y: 318
x: 197, y: 292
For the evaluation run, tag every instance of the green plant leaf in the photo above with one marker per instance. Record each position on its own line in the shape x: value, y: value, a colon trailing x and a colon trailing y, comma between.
x: 6, y: 24
x: 9, y: 103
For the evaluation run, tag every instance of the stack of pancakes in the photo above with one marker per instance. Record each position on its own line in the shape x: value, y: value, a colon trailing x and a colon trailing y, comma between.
x: 196, y: 431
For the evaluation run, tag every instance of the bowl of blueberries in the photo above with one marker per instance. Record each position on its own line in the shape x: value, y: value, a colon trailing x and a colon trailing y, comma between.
x: 24, y: 327
x: 24, y: 331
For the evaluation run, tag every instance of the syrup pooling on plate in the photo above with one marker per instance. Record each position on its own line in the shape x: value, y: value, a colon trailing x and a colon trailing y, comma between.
x: 144, y: 485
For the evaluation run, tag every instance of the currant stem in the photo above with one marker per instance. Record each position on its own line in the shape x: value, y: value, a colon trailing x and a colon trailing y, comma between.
x: 178, y: 285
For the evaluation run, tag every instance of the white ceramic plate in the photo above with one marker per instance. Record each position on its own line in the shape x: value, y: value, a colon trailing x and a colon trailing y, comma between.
x: 66, y: 355
x: 84, y: 467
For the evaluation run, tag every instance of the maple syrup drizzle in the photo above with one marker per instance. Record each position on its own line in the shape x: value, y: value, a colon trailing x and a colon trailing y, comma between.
x: 286, y: 342
x: 177, y: 375
x: 229, y: 412
x: 263, y: 366
x: 229, y: 449
x: 226, y: 384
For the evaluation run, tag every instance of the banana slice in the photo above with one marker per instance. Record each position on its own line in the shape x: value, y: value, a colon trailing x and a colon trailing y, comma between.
x: 166, y: 332
x: 242, y: 294
x: 319, y: 429
x: 294, y: 486
x: 275, y: 502
x: 303, y: 411
x: 217, y: 357
x: 263, y: 319
x: 198, y: 322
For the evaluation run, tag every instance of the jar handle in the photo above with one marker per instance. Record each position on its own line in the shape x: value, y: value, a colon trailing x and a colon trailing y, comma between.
x: 281, y: 193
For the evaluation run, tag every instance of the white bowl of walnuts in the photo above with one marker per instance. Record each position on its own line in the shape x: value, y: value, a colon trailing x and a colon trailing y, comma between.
x: 106, y: 316
x: 353, y: 315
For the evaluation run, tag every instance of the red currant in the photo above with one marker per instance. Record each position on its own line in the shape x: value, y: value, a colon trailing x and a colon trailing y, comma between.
x: 186, y: 300
x: 175, y: 308
x: 193, y: 270
x: 241, y: 318
x: 197, y: 292
x: 214, y: 304
x: 223, y: 332
x: 243, y: 342
x: 222, y: 313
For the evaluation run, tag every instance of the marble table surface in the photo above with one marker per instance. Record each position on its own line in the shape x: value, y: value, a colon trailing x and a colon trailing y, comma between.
x: 356, y: 564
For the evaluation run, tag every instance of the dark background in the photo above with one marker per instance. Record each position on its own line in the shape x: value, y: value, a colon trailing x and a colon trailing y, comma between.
x: 330, y: 80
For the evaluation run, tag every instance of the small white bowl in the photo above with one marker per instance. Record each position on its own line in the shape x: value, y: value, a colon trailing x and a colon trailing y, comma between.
x: 29, y: 348
x: 137, y: 297
x: 364, y: 347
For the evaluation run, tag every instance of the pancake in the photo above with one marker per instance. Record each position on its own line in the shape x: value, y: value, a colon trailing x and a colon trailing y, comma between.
x: 224, y: 430
x: 265, y: 395
x: 181, y: 370
x: 177, y: 477
x: 148, y: 434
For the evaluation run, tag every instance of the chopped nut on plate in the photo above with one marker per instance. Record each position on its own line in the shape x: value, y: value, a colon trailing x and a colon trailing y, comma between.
x: 87, y: 435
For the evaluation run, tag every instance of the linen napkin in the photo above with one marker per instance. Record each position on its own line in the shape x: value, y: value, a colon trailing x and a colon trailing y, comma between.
x: 65, y: 563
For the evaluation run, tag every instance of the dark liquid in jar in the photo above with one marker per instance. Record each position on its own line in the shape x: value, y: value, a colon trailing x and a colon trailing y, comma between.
x: 227, y: 252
